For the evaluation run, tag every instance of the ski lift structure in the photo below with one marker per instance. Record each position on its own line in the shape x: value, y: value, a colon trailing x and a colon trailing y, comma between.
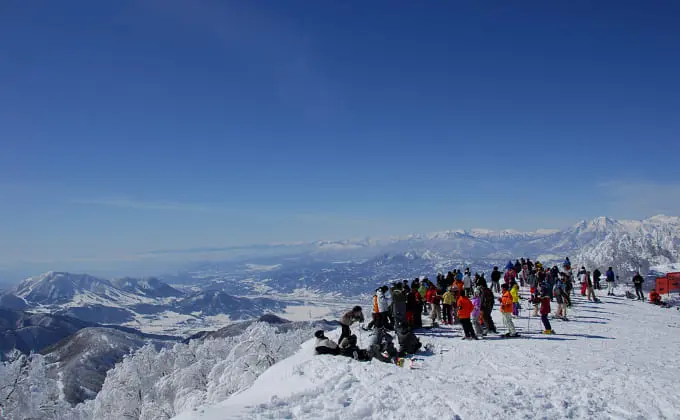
x: 668, y: 283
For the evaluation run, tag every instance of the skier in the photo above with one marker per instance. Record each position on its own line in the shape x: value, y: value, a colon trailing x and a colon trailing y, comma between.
x: 487, y: 302
x: 582, y: 278
x: 610, y: 282
x: 436, y: 308
x: 590, y: 292
x: 422, y: 291
x: 448, y: 300
x: 514, y: 292
x: 350, y: 317
x: 509, y: 276
x: 474, y: 316
x: 596, y: 278
x: 467, y: 281
x: 637, y: 281
x: 560, y: 294
x: 496, y: 280
x: 506, y: 311
x: 545, y: 309
x: 465, y: 308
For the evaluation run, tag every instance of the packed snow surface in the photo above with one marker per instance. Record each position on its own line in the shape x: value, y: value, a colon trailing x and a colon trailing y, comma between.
x: 614, y: 359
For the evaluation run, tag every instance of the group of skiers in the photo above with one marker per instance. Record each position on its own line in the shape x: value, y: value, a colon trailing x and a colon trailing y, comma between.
x: 462, y: 298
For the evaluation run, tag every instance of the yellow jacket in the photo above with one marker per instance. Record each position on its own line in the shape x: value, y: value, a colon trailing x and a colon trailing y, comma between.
x: 515, y: 293
x: 448, y: 298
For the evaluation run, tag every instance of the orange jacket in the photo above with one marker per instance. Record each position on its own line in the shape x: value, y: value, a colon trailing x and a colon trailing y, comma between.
x: 459, y: 284
x: 465, y: 307
x: 375, y: 304
x: 506, y: 302
x: 653, y: 296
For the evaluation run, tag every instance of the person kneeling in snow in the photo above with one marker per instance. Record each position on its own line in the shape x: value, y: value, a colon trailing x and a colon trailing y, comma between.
x: 349, y: 348
x: 325, y: 345
x: 408, y: 342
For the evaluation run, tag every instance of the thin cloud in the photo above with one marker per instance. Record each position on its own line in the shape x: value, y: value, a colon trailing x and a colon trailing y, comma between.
x: 123, y: 202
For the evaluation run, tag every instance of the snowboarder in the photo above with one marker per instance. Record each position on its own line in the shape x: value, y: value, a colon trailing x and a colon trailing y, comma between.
x: 637, y: 281
x: 506, y: 311
x: 465, y: 308
x: 610, y: 281
x: 408, y: 342
x: 347, y: 319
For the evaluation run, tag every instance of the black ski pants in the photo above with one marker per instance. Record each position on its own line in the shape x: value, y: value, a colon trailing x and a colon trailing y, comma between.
x: 638, y: 291
x: 467, y: 327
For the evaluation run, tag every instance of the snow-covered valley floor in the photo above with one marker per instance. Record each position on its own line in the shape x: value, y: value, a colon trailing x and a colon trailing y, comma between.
x: 615, y: 359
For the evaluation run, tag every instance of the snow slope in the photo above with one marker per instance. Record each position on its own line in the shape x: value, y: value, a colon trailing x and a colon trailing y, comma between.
x: 610, y: 361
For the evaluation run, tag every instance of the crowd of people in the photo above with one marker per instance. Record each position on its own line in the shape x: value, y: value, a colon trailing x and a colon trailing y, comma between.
x: 459, y: 297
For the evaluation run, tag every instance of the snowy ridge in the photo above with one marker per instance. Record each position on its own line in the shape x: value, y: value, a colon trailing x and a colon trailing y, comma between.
x: 593, y: 368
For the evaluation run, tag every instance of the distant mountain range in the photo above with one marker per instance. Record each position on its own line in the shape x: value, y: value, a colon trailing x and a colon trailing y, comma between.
x: 355, y: 267
x: 121, y: 301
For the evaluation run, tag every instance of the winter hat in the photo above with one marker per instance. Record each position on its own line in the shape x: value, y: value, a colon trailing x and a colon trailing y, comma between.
x: 356, y: 309
x: 319, y: 334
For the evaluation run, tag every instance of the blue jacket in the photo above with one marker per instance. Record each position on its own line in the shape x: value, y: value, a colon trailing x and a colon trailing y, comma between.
x: 610, y: 275
x: 509, y: 265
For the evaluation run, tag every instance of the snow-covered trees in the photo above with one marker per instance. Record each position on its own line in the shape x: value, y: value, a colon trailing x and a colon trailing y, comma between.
x: 25, y: 390
x: 161, y: 384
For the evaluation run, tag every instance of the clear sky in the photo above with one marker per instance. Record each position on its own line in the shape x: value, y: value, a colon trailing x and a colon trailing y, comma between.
x: 132, y: 126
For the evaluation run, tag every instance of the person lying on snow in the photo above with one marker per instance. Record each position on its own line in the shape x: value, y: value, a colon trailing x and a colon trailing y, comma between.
x: 325, y: 345
x: 347, y: 347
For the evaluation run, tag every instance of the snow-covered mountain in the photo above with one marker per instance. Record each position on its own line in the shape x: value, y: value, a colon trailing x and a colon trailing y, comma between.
x: 355, y: 267
x: 60, y: 288
x: 150, y: 287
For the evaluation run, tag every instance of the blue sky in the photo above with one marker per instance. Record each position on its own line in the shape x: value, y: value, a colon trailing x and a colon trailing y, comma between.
x: 133, y: 126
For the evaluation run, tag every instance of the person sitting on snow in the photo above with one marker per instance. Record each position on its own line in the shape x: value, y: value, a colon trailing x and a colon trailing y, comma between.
x: 655, y: 298
x: 381, y: 345
x: 325, y: 345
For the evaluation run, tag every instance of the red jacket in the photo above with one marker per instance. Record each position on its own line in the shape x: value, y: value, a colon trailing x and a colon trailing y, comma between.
x: 465, y: 307
x: 545, y: 305
x: 430, y: 294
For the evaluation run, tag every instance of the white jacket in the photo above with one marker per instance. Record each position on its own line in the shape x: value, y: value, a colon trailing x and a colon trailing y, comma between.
x: 467, y: 281
x: 383, y: 305
x: 326, y: 342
